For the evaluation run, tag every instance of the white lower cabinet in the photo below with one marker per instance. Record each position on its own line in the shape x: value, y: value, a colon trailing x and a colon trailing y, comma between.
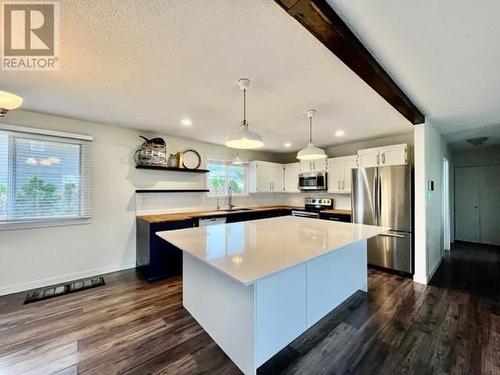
x: 340, y: 175
x: 265, y: 177
x: 291, y: 178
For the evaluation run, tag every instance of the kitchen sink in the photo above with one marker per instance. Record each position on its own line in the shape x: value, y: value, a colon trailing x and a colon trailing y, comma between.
x: 235, y: 210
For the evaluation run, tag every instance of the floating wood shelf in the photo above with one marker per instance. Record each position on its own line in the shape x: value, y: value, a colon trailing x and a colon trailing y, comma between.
x: 172, y: 169
x: 172, y: 191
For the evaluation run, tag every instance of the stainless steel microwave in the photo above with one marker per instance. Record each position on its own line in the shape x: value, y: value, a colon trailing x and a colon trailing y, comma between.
x: 313, y: 181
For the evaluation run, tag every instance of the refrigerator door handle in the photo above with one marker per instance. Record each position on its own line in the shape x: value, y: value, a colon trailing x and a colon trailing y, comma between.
x: 379, y: 202
x: 392, y: 235
x: 376, y: 195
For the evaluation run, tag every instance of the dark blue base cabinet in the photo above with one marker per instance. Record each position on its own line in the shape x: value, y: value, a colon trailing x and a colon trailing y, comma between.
x: 156, y: 259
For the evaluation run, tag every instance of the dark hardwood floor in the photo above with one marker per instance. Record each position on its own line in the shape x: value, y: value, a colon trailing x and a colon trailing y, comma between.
x: 128, y: 326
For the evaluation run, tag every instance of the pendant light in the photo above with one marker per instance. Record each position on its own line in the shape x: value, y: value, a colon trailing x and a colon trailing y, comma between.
x: 8, y: 102
x: 237, y: 160
x: 244, y: 138
x: 311, y: 152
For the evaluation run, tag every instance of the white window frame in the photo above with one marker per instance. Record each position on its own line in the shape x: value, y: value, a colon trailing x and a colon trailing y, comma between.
x: 226, y: 161
x: 85, y: 160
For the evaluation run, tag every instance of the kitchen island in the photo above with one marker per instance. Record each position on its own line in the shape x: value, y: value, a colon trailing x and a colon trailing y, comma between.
x: 255, y: 286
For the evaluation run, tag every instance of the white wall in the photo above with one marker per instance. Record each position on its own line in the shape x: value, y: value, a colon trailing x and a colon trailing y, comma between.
x: 429, y: 225
x: 486, y: 155
x: 31, y: 258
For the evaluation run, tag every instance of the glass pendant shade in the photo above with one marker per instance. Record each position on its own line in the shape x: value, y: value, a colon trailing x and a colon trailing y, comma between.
x: 9, y: 102
x: 244, y: 138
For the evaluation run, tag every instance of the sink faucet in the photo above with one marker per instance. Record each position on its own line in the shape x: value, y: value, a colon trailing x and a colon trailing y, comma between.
x: 230, y: 204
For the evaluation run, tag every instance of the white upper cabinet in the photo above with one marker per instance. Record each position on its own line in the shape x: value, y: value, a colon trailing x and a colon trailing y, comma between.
x: 291, y: 178
x: 393, y: 155
x: 265, y: 177
x: 277, y: 182
x: 369, y: 157
x: 350, y: 163
x: 339, y: 174
x: 383, y: 156
x: 319, y: 165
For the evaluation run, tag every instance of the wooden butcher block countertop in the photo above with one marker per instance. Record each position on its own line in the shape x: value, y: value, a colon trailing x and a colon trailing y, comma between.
x: 162, y: 218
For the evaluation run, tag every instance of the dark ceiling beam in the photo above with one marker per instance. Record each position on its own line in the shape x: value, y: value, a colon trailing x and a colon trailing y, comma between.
x: 322, y: 21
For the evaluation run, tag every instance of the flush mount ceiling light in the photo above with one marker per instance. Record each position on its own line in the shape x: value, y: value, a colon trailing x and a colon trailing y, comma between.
x: 186, y: 122
x: 311, y: 152
x: 244, y: 138
x: 477, y: 141
x: 339, y: 133
x: 8, y: 102
x: 287, y: 144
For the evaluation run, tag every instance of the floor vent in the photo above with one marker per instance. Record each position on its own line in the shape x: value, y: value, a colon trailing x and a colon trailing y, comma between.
x: 59, y: 290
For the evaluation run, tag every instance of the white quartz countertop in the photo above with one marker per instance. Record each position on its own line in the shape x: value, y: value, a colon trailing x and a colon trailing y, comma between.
x: 249, y: 251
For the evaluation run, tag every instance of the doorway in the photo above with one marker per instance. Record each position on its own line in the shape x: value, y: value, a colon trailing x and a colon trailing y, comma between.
x: 477, y: 204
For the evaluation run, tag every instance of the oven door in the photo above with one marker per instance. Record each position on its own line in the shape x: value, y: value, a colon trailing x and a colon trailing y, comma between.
x: 311, y: 214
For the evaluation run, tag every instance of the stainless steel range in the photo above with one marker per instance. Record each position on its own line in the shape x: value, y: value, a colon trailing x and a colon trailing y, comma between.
x: 313, y: 206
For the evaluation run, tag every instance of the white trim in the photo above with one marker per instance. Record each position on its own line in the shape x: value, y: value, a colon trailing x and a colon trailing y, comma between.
x: 43, y: 223
x: 54, y: 133
x: 435, y: 268
x: 61, y: 279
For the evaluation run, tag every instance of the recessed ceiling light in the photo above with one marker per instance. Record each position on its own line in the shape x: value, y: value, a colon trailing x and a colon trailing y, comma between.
x: 186, y: 122
x: 287, y: 144
x: 339, y: 133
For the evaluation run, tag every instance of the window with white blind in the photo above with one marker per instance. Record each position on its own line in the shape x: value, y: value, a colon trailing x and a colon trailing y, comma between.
x: 223, y: 175
x: 43, y: 178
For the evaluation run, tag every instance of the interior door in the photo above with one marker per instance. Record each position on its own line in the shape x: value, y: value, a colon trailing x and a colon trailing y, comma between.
x: 467, y: 204
x: 489, y: 207
x: 349, y: 164
x: 395, y: 197
x: 363, y: 195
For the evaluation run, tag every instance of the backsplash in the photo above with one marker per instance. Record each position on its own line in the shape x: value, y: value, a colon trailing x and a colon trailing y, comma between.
x: 147, y: 204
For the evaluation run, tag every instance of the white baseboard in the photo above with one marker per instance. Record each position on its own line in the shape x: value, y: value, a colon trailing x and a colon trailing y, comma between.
x: 61, y: 279
x: 434, y: 269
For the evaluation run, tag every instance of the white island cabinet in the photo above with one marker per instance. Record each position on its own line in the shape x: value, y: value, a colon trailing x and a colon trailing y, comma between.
x: 255, y: 286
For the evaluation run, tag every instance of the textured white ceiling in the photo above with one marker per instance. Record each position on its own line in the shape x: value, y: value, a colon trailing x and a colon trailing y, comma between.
x: 458, y: 140
x: 148, y: 64
x: 445, y: 54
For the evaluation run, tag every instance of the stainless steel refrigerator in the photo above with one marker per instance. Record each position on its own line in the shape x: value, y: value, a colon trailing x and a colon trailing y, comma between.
x: 383, y: 196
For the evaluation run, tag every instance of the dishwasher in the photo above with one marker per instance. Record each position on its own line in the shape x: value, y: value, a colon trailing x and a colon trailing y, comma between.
x: 211, y: 221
